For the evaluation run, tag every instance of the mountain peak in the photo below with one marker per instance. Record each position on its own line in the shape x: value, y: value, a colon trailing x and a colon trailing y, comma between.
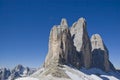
x: 74, y: 47
x: 81, y: 19
x: 18, y: 71
x: 97, y: 42
x: 64, y: 22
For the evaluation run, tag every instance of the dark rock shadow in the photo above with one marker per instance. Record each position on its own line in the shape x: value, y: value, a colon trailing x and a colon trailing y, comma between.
x: 98, y: 59
x: 98, y: 67
x: 101, y: 72
x: 104, y: 78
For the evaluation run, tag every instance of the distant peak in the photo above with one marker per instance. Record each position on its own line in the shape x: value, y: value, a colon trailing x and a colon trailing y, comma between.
x: 19, y: 65
x: 63, y: 22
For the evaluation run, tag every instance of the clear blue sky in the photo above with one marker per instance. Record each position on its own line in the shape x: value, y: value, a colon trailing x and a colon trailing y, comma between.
x: 25, y: 27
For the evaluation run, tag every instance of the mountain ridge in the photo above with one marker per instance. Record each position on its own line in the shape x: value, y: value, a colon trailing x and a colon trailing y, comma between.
x: 16, y: 72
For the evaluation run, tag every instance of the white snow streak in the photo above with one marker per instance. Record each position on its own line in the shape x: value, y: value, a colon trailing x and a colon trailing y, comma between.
x: 27, y: 78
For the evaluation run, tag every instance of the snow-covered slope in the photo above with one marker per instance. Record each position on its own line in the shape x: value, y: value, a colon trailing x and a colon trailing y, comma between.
x: 75, y: 74
x: 72, y: 74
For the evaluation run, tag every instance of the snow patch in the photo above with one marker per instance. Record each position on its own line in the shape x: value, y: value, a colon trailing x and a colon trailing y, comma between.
x: 95, y: 77
x: 73, y: 76
x: 109, y: 77
x: 27, y: 78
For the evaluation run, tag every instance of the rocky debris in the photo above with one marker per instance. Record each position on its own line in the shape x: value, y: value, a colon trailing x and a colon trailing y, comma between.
x: 18, y: 71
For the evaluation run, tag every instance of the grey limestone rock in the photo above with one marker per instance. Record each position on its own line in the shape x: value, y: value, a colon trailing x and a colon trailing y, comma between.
x: 72, y: 46
x: 59, y: 44
x: 100, y: 54
x: 61, y: 48
x: 81, y: 41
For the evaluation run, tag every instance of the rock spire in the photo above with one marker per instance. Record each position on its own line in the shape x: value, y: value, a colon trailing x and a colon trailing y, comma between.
x: 82, y: 41
x: 99, y: 53
x: 72, y: 46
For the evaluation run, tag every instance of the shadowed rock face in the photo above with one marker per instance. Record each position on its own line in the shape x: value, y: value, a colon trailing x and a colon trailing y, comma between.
x: 100, y: 57
x: 73, y: 47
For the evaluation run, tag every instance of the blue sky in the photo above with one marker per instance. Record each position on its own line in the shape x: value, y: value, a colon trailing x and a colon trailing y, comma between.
x: 25, y: 27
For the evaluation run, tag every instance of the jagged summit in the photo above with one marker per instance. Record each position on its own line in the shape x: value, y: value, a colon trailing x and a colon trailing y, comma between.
x: 59, y: 45
x: 97, y: 42
x: 64, y: 22
x: 99, y: 53
x: 81, y: 41
x: 74, y: 47
x: 72, y: 55
x: 16, y: 72
x: 81, y: 20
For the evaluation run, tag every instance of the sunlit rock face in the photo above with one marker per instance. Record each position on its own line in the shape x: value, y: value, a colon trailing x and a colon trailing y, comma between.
x: 59, y: 44
x: 81, y: 41
x: 61, y: 48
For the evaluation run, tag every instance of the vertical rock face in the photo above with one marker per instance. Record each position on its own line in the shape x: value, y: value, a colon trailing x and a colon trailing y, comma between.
x: 61, y: 48
x: 81, y: 41
x: 59, y: 44
x: 99, y: 53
